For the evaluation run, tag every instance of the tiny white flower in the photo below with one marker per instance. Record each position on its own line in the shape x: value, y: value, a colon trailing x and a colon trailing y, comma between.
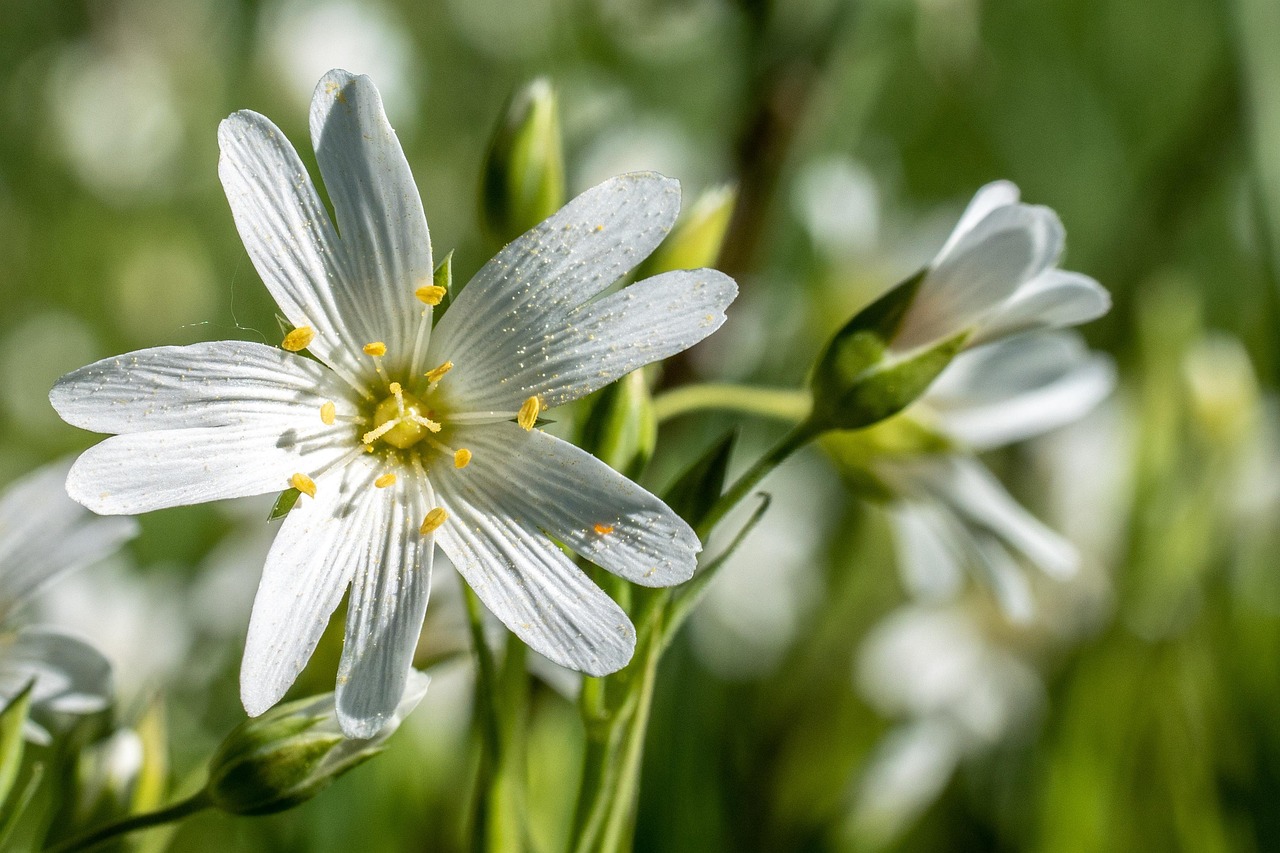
x: 402, y: 437
x: 997, y: 275
x: 950, y: 510
x: 43, y: 535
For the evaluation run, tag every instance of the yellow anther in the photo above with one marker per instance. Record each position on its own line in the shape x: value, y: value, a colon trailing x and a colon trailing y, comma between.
x: 298, y: 339
x: 528, y: 415
x: 434, y: 519
x: 434, y: 375
x: 432, y: 294
x: 375, y: 349
x: 461, y: 458
x: 384, y: 481
x: 304, y: 484
x: 328, y: 413
x: 604, y: 529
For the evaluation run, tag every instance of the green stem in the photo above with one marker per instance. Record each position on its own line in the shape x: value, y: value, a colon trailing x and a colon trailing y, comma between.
x: 169, y: 814
x: 784, y: 404
x: 796, y: 438
x: 486, y: 673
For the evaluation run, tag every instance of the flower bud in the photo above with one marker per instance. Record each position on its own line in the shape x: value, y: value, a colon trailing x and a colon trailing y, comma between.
x: 697, y: 238
x: 621, y: 428
x: 1223, y: 389
x: 293, y: 752
x: 523, y: 174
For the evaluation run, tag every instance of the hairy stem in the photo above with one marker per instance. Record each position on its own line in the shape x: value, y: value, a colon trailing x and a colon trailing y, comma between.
x: 168, y: 814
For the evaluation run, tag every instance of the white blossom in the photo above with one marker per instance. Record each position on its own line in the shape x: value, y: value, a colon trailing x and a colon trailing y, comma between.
x: 401, y: 436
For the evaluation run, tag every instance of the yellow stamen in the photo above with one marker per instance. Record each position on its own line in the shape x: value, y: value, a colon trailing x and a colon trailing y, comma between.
x: 604, y: 529
x: 328, y: 413
x: 461, y: 458
x: 375, y: 349
x: 384, y: 481
x: 298, y: 339
x: 528, y: 415
x: 434, y: 519
x: 432, y: 294
x: 304, y: 484
x: 434, y: 375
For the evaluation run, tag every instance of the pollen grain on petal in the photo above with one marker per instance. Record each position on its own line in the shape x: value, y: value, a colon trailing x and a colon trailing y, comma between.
x: 461, y: 458
x: 603, y: 529
x: 384, y: 481
x: 299, y: 339
x: 431, y: 294
x: 434, y: 375
x: 434, y: 519
x: 328, y: 413
x: 304, y: 484
x: 528, y: 415
x: 376, y: 349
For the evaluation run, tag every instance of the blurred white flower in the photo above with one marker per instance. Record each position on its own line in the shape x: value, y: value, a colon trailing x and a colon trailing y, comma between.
x: 997, y: 275
x: 398, y: 435
x: 43, y: 534
x: 950, y: 511
x: 838, y: 200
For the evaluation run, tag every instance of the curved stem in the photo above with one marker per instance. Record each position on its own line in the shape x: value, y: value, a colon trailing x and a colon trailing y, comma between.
x: 169, y: 814
x: 795, y: 438
x: 784, y: 404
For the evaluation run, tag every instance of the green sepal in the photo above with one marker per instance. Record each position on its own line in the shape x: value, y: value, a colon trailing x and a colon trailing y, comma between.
x: 12, y: 720
x: 696, y: 491
x: 284, y: 503
x: 522, y: 181
x: 443, y: 277
x: 859, y: 382
x: 621, y: 428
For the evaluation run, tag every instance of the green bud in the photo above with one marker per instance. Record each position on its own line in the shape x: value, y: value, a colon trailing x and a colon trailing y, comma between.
x: 696, y: 240
x: 293, y: 752
x: 1222, y: 389
x: 860, y: 381
x: 621, y: 428
x: 523, y: 174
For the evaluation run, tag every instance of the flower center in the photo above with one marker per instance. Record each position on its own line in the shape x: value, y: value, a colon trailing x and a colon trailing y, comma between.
x: 401, y: 420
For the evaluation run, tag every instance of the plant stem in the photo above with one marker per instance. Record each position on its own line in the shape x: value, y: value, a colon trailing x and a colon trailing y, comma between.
x: 795, y: 438
x: 169, y: 814
x: 784, y: 404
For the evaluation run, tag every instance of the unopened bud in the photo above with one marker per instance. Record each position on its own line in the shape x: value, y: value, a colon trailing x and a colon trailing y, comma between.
x: 696, y: 240
x: 523, y: 175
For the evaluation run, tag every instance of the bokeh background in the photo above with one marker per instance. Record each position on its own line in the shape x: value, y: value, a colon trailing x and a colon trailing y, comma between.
x: 809, y: 705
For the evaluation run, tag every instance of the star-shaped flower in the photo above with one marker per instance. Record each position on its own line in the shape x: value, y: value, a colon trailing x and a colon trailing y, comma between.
x: 402, y: 436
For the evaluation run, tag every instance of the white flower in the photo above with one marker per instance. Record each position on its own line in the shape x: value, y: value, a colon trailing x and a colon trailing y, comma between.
x: 950, y: 510
x: 44, y: 535
x: 997, y: 275
x: 402, y: 436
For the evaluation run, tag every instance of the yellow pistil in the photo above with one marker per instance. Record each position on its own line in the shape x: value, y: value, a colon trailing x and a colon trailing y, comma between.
x: 399, y: 420
x: 604, y: 529
x: 528, y: 415
x: 431, y: 294
x: 461, y: 458
x: 384, y: 481
x: 377, y: 349
x: 434, y: 519
x: 298, y: 339
x: 328, y: 413
x: 304, y: 484
x: 434, y: 375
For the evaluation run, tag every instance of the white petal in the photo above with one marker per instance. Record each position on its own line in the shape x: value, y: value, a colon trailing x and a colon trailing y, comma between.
x: 1009, y: 247
x: 530, y: 288
x: 288, y: 235
x: 1054, y: 299
x: 70, y: 675
x: 312, y: 560
x: 1005, y: 577
x: 44, y: 534
x: 994, y: 195
x: 380, y: 218
x: 387, y: 606
x: 219, y: 383
x: 553, y: 486
x: 927, y: 551
x: 1018, y: 388
x: 140, y: 472
x: 529, y: 584
x: 975, y: 494
x: 596, y: 344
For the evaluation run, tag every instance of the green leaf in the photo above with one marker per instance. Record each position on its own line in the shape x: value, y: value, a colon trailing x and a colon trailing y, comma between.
x: 11, y: 812
x: 522, y: 182
x: 443, y: 277
x: 12, y: 720
x: 697, y: 489
x: 284, y: 503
